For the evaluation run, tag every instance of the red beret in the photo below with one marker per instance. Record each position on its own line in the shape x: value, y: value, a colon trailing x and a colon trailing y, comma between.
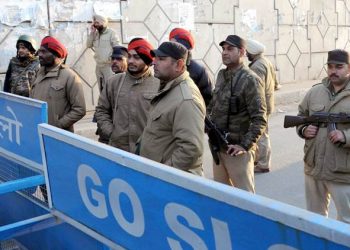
x: 143, y: 49
x: 55, y: 46
x: 182, y: 36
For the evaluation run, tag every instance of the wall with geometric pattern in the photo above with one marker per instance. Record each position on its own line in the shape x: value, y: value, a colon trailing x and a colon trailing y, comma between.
x: 297, y: 33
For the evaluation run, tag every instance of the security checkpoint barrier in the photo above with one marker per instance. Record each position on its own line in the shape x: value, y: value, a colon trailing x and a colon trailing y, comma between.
x: 25, y: 219
x: 101, y: 197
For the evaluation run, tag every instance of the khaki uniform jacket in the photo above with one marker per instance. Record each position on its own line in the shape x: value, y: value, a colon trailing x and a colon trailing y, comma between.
x: 175, y: 128
x: 323, y: 159
x: 103, y: 45
x: 61, y: 88
x: 266, y: 71
x: 123, y: 117
x: 249, y: 122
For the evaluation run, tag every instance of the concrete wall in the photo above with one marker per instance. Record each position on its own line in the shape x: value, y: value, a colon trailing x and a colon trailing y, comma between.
x: 297, y: 33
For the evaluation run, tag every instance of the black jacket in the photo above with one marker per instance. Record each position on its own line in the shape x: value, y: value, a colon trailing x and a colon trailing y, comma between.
x: 201, y: 78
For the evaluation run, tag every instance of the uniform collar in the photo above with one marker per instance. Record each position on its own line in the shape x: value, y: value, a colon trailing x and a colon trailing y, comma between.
x: 137, y: 79
x: 167, y: 86
x: 53, y: 72
x: 229, y: 73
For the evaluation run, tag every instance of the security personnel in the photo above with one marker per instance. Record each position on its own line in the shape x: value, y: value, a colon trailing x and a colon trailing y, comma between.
x: 58, y: 85
x: 22, y: 69
x: 266, y: 71
x: 238, y: 107
x: 124, y: 104
x: 175, y: 127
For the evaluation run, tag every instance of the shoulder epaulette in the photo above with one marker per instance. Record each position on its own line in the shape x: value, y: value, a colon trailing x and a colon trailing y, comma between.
x: 186, y: 91
x: 316, y: 84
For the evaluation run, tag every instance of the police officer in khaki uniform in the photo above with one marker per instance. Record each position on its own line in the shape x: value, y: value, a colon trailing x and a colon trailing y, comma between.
x: 266, y: 71
x: 124, y: 103
x: 326, y: 159
x: 238, y: 107
x: 58, y: 85
x: 102, y: 39
x: 175, y: 127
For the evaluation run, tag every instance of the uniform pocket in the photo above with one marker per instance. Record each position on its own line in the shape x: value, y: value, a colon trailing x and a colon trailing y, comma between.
x: 148, y: 96
x: 156, y: 116
x: 156, y: 124
x: 57, y: 91
x: 309, y: 152
x: 315, y: 107
x: 342, y: 161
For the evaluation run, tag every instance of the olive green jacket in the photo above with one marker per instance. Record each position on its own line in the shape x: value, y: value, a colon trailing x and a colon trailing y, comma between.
x: 323, y: 159
x: 123, y: 108
x: 62, y: 89
x: 175, y: 129
x: 266, y: 71
x: 103, y: 44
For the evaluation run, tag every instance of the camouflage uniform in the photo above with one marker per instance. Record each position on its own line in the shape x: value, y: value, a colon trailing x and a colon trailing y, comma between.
x: 21, y: 75
x: 245, y: 127
x: 266, y: 71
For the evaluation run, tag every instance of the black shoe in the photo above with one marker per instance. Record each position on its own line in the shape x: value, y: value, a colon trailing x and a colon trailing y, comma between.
x: 260, y: 170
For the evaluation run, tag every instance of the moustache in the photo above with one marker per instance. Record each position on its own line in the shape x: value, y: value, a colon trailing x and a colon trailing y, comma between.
x: 334, y: 75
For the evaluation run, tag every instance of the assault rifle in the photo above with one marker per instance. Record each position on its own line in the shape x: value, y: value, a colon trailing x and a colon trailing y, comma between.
x: 317, y: 118
x: 217, y: 138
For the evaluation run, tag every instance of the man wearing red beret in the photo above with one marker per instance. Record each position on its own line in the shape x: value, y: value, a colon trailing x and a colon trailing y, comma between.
x: 124, y: 103
x: 198, y: 72
x: 58, y: 85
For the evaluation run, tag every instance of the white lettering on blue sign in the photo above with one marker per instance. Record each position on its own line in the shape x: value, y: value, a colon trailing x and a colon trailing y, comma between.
x: 137, y: 226
x: 7, y: 124
x: 172, y: 213
x: 86, y: 172
x: 116, y: 188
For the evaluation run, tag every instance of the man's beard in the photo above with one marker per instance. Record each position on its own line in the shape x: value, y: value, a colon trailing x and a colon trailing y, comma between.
x: 22, y: 58
x: 136, y: 72
x: 100, y: 28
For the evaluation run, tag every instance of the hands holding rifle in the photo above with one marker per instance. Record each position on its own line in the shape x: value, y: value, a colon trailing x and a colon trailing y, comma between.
x: 334, y: 136
x: 235, y: 150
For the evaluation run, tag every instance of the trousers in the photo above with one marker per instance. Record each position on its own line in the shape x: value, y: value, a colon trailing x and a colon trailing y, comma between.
x: 263, y: 152
x: 103, y: 73
x: 237, y: 171
x: 319, y: 192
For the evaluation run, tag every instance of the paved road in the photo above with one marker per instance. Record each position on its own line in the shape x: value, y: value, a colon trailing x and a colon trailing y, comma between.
x: 285, y: 182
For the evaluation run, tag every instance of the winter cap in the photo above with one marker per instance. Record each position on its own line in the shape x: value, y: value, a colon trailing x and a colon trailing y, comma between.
x: 101, y: 19
x: 143, y: 49
x: 338, y: 56
x: 182, y: 36
x: 28, y: 42
x: 55, y: 46
x: 254, y: 47
x: 119, y: 52
x: 171, y: 49
x: 235, y: 41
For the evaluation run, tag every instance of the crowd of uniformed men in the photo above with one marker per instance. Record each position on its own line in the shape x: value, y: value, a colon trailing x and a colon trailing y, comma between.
x: 153, y: 102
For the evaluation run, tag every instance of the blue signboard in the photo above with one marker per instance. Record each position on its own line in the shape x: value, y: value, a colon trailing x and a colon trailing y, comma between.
x: 19, y: 119
x: 124, y: 200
